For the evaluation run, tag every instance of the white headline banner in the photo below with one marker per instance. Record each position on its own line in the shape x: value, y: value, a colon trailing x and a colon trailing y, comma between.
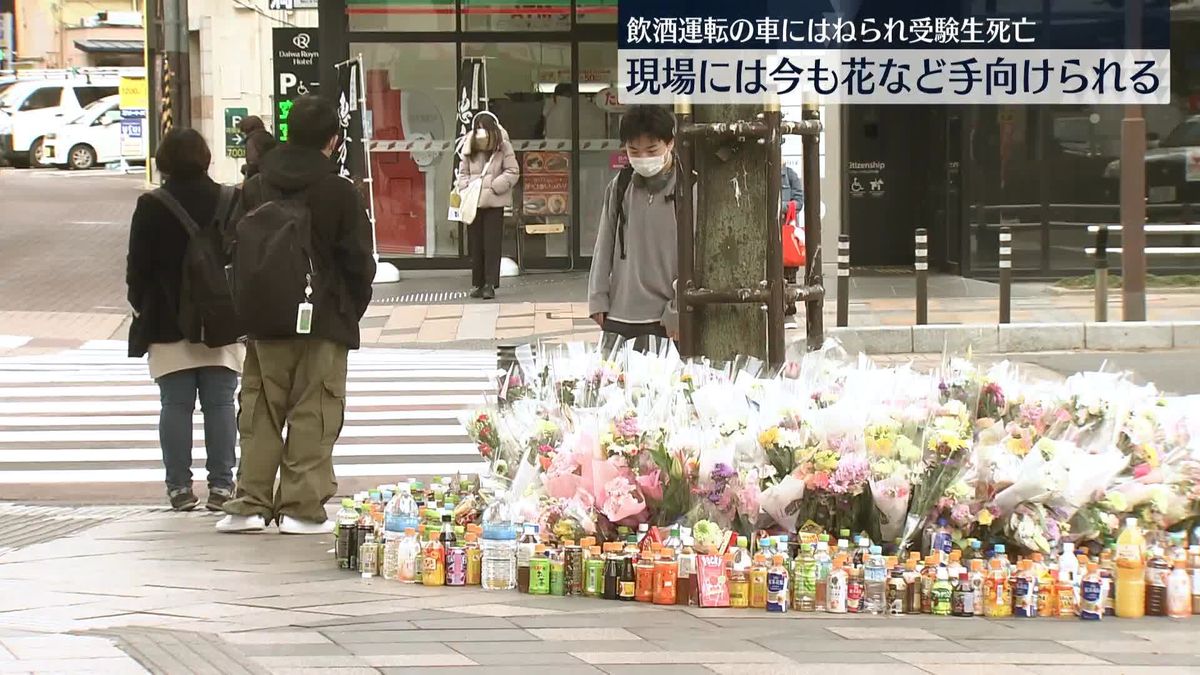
x: 951, y: 76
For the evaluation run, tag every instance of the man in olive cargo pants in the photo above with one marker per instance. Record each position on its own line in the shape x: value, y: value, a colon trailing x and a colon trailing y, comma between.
x: 299, y: 381
x: 300, y: 384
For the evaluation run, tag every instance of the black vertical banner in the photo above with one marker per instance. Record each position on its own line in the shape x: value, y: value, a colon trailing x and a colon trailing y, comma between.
x: 472, y: 93
x: 296, y: 63
x: 349, y: 152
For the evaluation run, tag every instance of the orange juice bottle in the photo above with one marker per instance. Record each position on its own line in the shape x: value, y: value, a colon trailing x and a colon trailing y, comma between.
x: 997, y: 595
x: 1131, y: 571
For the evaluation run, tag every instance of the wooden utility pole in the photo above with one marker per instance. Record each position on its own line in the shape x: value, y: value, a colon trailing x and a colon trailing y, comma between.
x: 731, y: 203
x: 731, y: 291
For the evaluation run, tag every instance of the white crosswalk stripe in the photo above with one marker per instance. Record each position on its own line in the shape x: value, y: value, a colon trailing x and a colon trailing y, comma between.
x: 90, y: 415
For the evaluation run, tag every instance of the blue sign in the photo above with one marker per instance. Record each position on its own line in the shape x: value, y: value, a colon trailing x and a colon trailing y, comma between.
x: 131, y: 128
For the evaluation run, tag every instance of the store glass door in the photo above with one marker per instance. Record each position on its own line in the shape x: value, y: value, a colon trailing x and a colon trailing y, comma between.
x: 522, y: 79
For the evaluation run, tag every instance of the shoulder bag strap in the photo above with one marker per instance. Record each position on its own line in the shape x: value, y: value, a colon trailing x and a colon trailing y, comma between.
x: 185, y: 219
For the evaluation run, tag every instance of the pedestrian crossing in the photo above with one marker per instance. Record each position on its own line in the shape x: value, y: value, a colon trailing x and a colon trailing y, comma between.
x: 90, y: 415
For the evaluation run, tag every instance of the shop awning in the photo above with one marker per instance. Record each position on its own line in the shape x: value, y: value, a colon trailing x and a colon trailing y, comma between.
x: 99, y: 46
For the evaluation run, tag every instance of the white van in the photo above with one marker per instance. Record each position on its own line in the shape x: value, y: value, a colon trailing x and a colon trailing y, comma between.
x: 31, y: 109
x: 92, y: 139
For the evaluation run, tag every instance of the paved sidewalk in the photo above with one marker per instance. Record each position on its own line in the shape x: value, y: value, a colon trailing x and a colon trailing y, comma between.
x: 431, y: 310
x: 168, y: 591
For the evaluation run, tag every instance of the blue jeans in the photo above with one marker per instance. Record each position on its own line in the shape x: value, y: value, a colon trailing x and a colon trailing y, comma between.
x: 177, y: 391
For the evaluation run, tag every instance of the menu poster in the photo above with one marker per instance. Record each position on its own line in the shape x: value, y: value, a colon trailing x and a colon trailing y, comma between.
x: 547, y: 183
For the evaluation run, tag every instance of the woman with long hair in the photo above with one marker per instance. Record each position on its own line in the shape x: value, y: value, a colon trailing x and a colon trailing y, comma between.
x: 487, y: 153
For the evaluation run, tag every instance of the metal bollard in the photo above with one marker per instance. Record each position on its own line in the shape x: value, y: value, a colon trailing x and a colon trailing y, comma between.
x: 921, y: 267
x: 1005, y: 275
x: 1101, y: 298
x: 843, y: 281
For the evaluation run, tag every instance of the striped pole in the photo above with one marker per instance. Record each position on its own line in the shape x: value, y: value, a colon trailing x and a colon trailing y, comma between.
x: 843, y: 280
x: 166, y: 96
x: 1005, y: 275
x: 921, y: 267
x: 1101, y: 260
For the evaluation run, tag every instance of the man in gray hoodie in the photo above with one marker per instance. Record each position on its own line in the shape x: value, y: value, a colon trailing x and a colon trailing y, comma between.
x: 631, y: 292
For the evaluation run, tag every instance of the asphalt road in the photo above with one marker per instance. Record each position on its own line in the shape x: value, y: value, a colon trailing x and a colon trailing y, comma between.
x: 63, y: 237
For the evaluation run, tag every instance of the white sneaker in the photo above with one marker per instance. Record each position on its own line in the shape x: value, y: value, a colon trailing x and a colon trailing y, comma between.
x: 290, y: 525
x: 232, y: 523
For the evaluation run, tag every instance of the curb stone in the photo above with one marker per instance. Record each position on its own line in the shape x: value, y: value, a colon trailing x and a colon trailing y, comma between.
x: 1021, y: 337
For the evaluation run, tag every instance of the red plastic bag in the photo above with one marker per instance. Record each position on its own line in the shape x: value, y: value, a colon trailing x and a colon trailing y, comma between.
x: 794, y: 252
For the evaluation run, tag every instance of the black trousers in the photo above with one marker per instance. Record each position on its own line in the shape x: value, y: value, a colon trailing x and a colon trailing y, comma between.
x: 639, y: 333
x: 485, y: 236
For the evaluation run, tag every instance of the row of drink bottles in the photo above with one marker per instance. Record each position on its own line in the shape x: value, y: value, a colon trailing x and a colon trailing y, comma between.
x: 405, y: 533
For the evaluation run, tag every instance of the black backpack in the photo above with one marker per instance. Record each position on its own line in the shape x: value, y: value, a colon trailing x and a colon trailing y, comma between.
x: 273, y: 264
x: 205, y: 300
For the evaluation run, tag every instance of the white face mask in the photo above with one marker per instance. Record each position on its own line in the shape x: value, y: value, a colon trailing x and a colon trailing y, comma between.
x: 649, y: 166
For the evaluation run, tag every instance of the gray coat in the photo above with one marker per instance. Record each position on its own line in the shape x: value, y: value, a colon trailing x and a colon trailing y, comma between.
x: 501, y: 177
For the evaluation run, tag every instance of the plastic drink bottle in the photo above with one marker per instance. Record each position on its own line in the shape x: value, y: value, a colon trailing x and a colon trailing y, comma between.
x: 1066, y: 596
x: 433, y: 563
x: 526, y: 548
x: 368, y: 565
x: 943, y: 542
x: 777, y: 585
x: 928, y: 577
x: 539, y: 571
x: 875, y: 581
x: 855, y: 591
x: 962, y: 601
x: 976, y: 576
x: 825, y: 566
x: 997, y: 597
x: 838, y: 582
x: 406, y: 557
x: 1158, y: 572
x: 739, y: 583
x: 1131, y: 571
x: 1179, y: 591
x: 941, y: 593
x: 474, y: 560
x: 805, y: 581
x: 1091, y: 594
x: 1025, y: 591
x: 758, y: 582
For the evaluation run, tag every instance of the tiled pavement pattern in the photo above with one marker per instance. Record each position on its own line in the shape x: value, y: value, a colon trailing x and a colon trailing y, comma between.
x: 179, y: 598
x: 88, y: 417
x: 477, y: 324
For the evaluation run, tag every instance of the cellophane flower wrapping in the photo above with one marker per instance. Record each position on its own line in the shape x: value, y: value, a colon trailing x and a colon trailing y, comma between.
x: 947, y: 447
x: 589, y: 438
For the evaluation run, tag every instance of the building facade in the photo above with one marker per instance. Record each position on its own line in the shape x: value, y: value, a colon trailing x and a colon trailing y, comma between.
x: 78, y: 33
x: 1047, y: 172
